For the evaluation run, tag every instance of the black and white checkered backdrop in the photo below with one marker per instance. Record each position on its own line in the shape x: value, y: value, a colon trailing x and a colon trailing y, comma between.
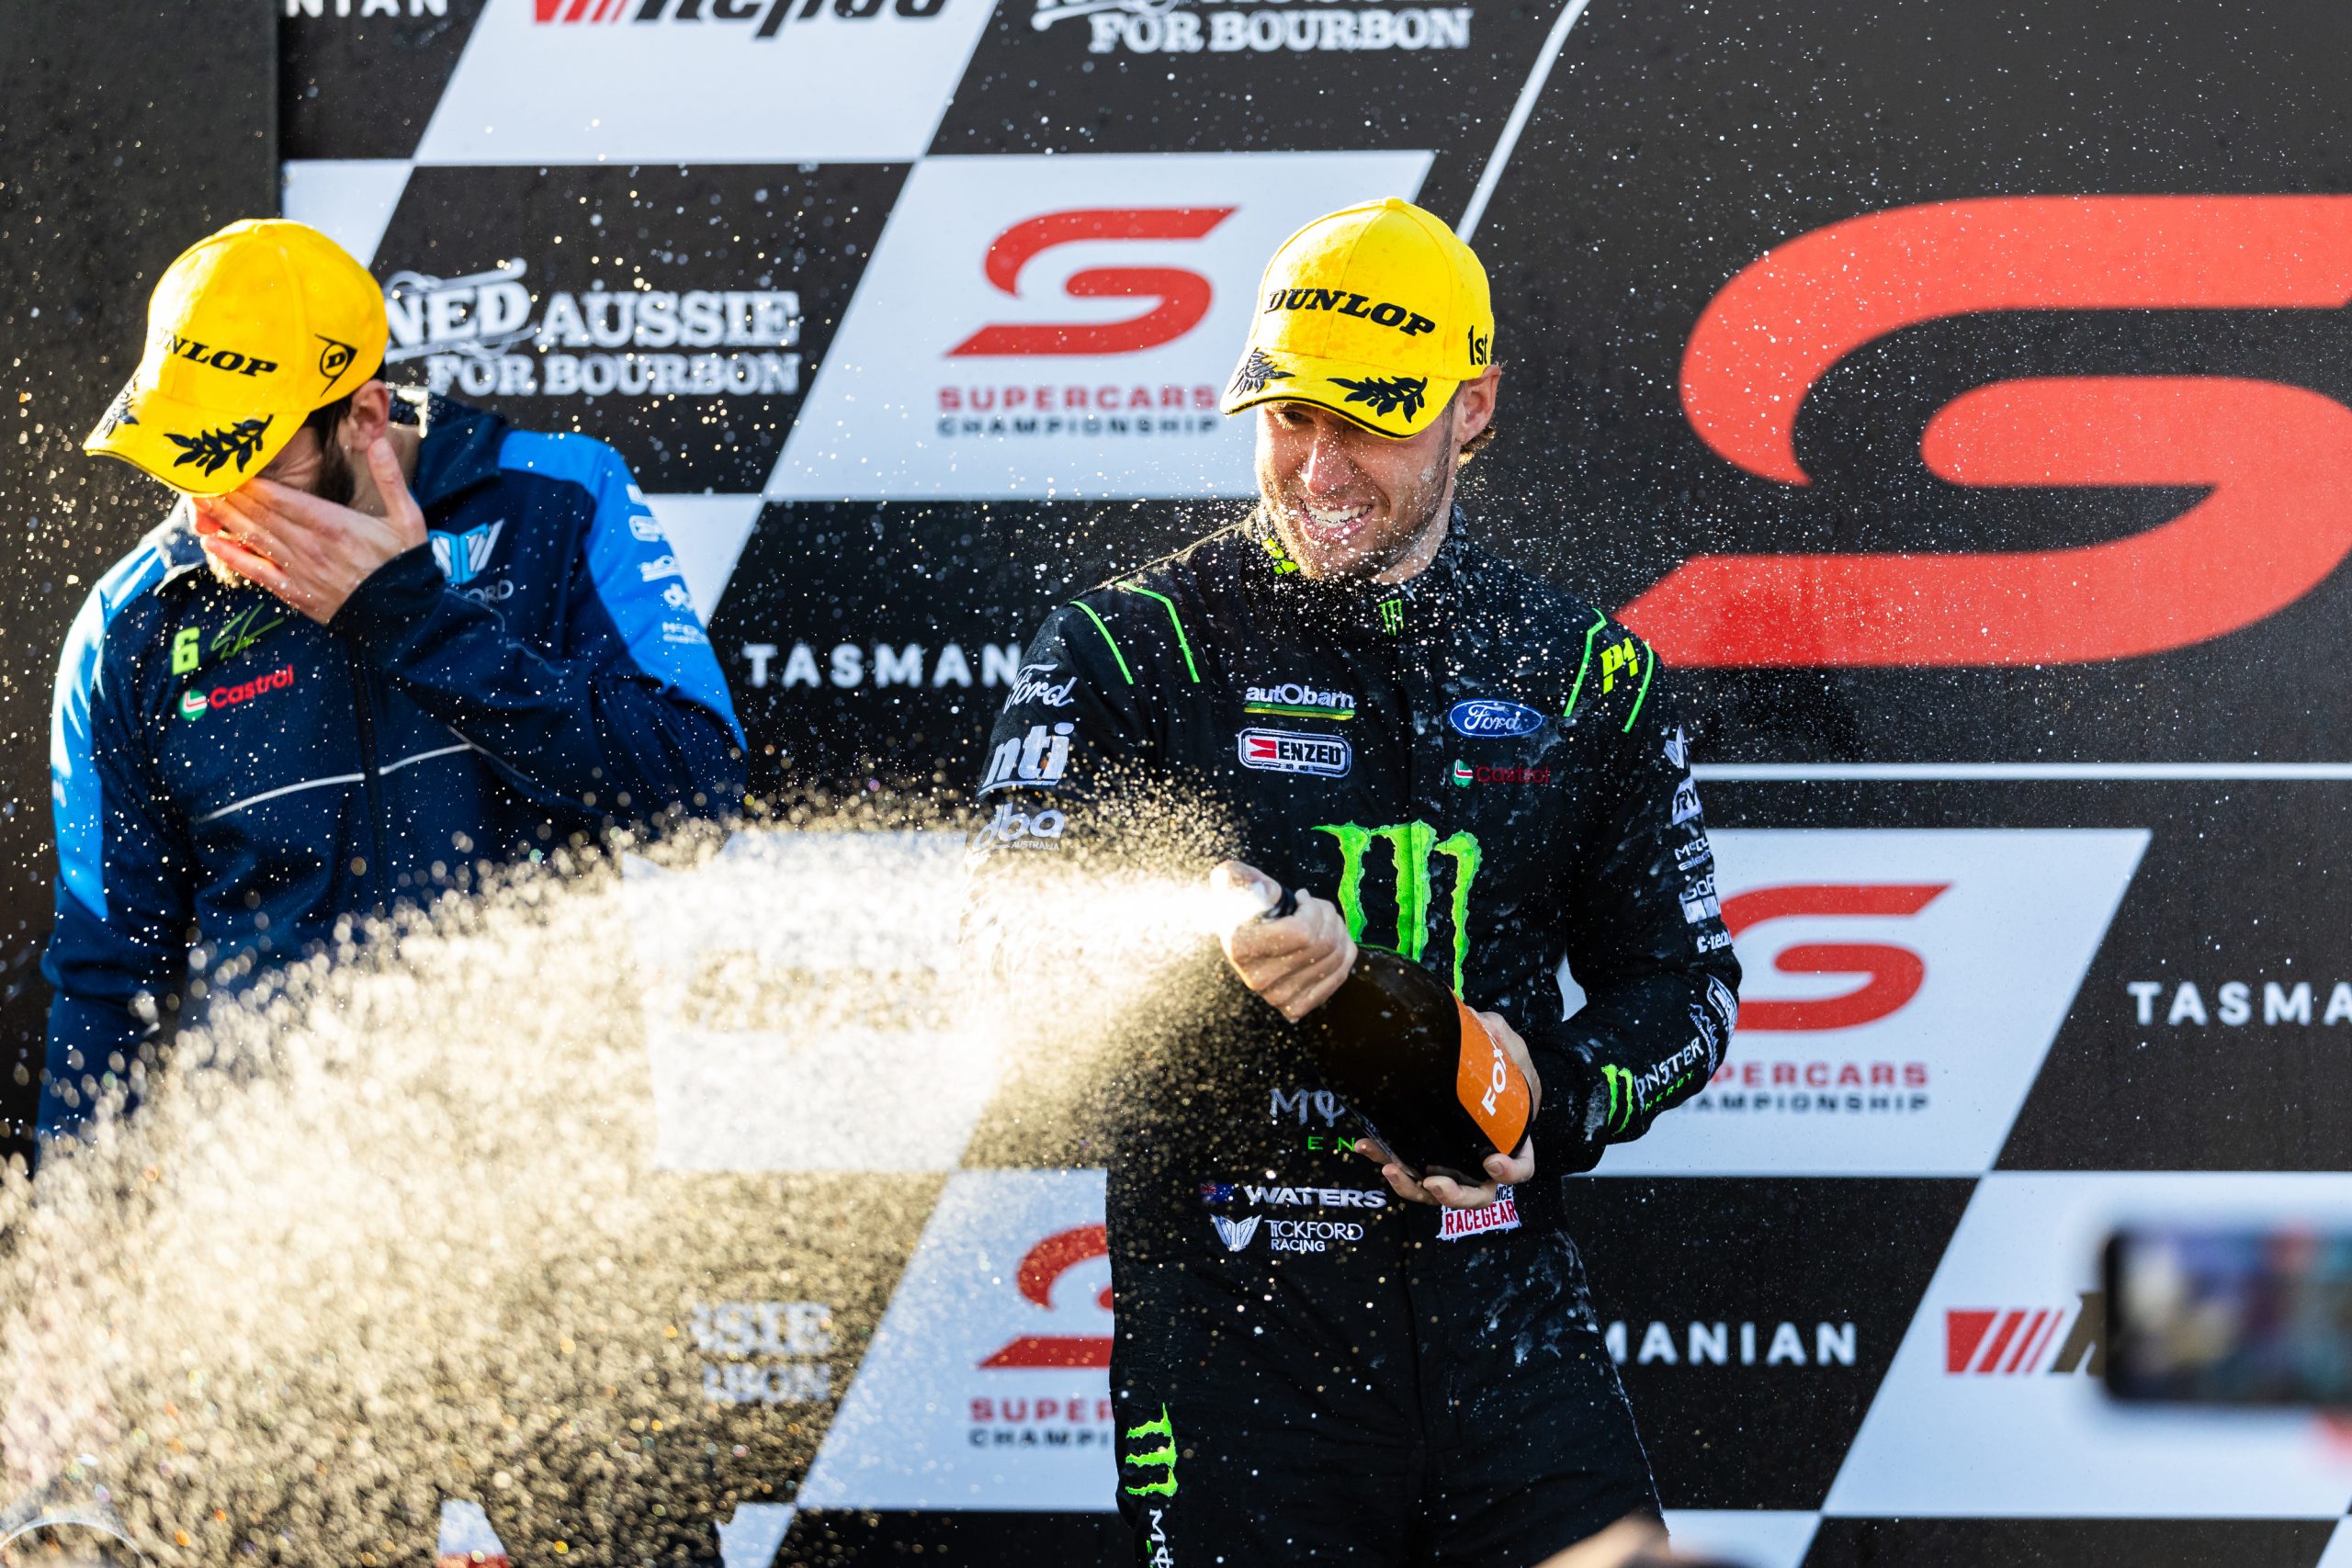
x: 1957, y: 395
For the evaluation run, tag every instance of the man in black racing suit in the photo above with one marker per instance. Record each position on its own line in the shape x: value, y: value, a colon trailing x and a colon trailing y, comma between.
x: 1483, y: 773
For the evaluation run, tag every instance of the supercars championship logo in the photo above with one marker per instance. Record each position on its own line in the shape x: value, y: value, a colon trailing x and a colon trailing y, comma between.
x: 1903, y: 988
x: 1028, y: 327
x: 2273, y: 520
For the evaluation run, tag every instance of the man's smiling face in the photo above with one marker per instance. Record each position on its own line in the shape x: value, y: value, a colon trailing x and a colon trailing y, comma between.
x: 1347, y: 502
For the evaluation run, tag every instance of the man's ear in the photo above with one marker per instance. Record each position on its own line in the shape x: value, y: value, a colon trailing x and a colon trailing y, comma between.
x: 1476, y: 399
x: 370, y: 416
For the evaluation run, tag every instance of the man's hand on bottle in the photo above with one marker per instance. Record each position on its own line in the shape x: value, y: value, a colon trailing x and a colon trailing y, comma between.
x: 1503, y: 1170
x: 1294, y: 962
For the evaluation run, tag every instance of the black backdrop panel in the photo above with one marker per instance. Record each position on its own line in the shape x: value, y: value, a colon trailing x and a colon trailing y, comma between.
x: 1787, y: 280
x: 131, y: 129
x: 1672, y: 149
x: 678, y: 313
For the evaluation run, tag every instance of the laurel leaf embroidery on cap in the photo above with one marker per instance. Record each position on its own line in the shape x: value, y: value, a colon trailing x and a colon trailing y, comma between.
x: 210, y: 449
x: 1387, y: 394
x: 1255, y: 372
x: 117, y: 414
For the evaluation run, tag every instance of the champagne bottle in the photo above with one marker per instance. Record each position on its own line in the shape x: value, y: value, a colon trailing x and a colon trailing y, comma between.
x: 1415, y: 1065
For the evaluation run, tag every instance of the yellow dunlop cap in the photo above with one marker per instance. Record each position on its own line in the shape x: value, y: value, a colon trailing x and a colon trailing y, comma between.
x: 247, y: 331
x: 1376, y: 313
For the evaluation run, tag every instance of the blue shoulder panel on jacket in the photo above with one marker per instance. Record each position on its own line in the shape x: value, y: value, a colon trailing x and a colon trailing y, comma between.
x: 74, y: 797
x: 629, y: 559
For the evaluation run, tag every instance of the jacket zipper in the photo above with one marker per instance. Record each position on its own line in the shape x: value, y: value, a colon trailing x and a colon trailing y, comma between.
x: 373, y: 775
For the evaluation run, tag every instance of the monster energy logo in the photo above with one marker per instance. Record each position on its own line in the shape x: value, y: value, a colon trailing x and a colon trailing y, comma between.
x: 1621, y: 1100
x: 1410, y: 846
x: 1163, y: 1455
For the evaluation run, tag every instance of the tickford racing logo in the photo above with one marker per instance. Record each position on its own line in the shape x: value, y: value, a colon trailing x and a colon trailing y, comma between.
x: 1284, y: 751
x: 1286, y: 1236
x: 1232, y: 27
x: 470, y: 330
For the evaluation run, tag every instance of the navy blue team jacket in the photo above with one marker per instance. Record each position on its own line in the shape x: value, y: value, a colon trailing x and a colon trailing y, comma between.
x: 230, y: 777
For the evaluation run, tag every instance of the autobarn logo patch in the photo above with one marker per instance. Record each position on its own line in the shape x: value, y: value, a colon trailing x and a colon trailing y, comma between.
x: 1287, y: 752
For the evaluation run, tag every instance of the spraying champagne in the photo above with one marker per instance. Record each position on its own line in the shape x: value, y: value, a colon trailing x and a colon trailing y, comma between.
x: 1414, y: 1063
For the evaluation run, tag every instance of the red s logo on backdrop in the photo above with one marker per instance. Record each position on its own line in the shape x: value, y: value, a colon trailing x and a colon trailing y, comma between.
x: 1184, y: 296
x: 1891, y: 976
x: 2276, y: 521
x: 1040, y: 1267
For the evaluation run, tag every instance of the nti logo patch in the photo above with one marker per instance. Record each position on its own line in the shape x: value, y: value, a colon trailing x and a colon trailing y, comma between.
x: 2008, y: 1341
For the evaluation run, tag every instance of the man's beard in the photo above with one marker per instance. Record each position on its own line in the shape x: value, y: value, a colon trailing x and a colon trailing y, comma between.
x: 336, y: 481
x: 1423, y: 502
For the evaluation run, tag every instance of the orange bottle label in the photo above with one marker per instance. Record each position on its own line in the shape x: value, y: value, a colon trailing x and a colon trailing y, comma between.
x: 1489, y: 1083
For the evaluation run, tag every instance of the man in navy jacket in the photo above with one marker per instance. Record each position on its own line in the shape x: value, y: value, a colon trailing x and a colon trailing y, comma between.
x: 381, y: 640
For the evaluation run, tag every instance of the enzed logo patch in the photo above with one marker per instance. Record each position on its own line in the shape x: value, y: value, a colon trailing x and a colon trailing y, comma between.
x: 1286, y: 751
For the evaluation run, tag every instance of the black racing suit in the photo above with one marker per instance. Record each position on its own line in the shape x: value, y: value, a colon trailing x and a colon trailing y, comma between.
x: 1488, y: 776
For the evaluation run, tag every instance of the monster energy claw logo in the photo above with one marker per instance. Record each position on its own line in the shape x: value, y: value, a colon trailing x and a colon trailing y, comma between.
x: 1164, y: 1455
x: 1622, y: 1102
x: 1410, y: 846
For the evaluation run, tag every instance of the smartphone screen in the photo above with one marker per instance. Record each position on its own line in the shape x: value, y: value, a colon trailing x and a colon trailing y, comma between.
x: 2209, y: 1315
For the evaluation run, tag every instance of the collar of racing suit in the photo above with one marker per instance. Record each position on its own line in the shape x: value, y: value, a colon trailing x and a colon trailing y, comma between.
x: 1359, y: 610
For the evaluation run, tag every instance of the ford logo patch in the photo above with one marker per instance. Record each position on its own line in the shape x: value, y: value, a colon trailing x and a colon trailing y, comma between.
x: 1491, y: 718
